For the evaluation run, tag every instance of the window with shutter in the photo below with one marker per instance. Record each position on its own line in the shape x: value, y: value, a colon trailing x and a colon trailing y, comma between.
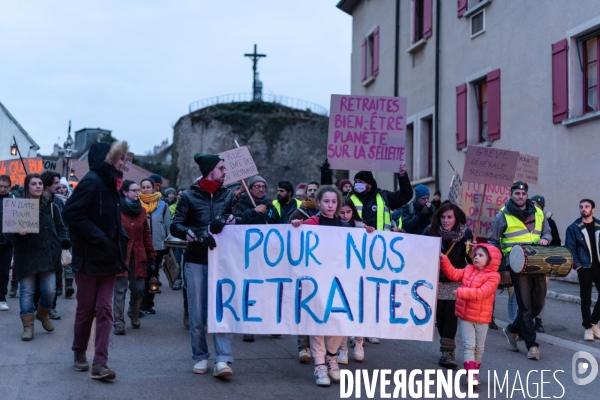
x: 461, y: 116
x: 363, y: 60
x: 462, y: 7
x: 560, y: 81
x: 493, y: 97
x: 481, y: 100
x: 591, y: 74
x: 418, y: 14
x: 427, y: 18
x: 375, y: 59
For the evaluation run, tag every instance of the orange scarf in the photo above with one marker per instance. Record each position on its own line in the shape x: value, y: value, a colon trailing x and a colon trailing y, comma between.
x: 150, y: 201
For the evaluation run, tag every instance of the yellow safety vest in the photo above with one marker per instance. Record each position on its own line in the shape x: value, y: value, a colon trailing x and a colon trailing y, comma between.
x: 517, y: 233
x: 277, y: 205
x: 384, y: 217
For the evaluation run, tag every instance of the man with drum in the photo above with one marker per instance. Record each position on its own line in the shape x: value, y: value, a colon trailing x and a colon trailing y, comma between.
x: 519, y: 222
x: 583, y: 238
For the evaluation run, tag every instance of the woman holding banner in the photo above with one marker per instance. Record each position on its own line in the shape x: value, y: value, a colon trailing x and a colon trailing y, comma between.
x: 37, y: 258
x: 449, y: 223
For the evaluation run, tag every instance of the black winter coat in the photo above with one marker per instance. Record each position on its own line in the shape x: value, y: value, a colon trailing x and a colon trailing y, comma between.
x: 4, y: 240
x: 458, y: 256
x: 196, y: 209
x: 40, y: 252
x: 393, y: 200
x: 413, y: 220
x: 270, y: 217
x: 93, y: 213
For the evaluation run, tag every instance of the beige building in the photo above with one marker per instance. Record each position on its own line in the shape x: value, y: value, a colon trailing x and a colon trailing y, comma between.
x: 508, y: 74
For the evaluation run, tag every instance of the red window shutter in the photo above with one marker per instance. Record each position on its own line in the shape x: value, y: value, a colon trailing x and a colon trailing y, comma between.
x: 375, y: 66
x: 363, y: 60
x: 493, y: 88
x: 462, y: 7
x: 461, y: 116
x: 560, y: 81
x: 427, y: 18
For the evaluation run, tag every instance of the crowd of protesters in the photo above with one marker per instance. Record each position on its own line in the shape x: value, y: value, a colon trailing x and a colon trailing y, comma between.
x: 116, y: 230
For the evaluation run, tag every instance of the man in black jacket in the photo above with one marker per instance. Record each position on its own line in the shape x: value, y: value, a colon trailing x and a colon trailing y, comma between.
x: 206, y: 206
x: 99, y: 248
x: 416, y: 215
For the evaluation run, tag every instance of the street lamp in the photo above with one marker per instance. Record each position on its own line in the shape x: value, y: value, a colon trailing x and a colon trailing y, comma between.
x: 14, y: 150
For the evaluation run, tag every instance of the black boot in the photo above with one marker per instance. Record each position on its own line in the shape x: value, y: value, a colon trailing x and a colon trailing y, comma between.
x: 69, y: 289
x: 14, y: 286
x: 539, y: 328
x: 493, y: 325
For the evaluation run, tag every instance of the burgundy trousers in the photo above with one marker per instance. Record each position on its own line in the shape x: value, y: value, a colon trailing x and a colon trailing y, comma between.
x: 94, y: 296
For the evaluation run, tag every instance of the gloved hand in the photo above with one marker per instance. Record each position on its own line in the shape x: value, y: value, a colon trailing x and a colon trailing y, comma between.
x: 325, y: 166
x: 152, y: 265
x: 65, y: 244
x: 426, y: 211
x: 326, y: 174
x: 216, y: 226
x: 207, y: 240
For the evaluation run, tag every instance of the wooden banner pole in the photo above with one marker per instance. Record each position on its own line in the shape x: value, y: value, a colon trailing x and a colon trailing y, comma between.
x: 476, y: 229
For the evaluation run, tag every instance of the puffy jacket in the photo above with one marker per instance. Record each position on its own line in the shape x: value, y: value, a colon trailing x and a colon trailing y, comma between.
x: 578, y: 241
x: 196, y: 209
x: 475, y: 296
x: 140, y: 242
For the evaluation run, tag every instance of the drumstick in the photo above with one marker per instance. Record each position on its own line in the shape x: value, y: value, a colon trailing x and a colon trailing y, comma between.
x: 475, y: 230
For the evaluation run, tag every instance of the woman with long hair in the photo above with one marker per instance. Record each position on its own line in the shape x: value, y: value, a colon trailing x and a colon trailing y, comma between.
x: 449, y: 223
x: 159, y: 218
x: 38, y: 257
x: 140, y: 254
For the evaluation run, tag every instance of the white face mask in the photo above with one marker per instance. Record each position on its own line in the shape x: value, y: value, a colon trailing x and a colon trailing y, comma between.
x: 360, y: 187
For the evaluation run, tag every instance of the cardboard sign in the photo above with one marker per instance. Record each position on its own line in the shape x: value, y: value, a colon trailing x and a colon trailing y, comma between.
x: 320, y: 280
x: 527, y: 168
x: 239, y: 164
x: 366, y: 132
x: 127, y: 161
x: 490, y: 165
x: 20, y: 215
x: 455, y: 194
x: 495, y: 197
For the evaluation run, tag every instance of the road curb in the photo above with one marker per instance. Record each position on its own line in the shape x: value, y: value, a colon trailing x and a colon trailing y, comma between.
x: 569, y: 298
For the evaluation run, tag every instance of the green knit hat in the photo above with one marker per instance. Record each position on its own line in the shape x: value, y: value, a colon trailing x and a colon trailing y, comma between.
x: 207, y: 162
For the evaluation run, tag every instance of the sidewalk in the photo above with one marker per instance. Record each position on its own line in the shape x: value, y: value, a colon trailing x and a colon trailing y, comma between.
x: 567, y: 291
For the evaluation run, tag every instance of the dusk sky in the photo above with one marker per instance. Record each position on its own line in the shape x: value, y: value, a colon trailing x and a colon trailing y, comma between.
x: 134, y: 67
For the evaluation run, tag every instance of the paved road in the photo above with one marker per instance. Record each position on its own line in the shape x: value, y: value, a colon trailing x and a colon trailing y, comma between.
x: 154, y: 362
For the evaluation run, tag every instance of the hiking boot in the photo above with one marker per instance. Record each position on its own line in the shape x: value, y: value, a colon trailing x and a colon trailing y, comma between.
x: 343, y: 357
x: 135, y: 323
x: 80, y: 361
x: 201, y: 367
x: 588, y: 335
x: 69, y: 289
x: 222, y: 369
x: 359, y: 352
x: 248, y: 338
x: 321, y: 376
x: 538, y: 326
x: 512, y: 339
x: 177, y: 284
x: 304, y: 355
x: 53, y: 314
x: 27, y: 320
x: 149, y: 310
x: 43, y: 315
x: 119, y: 330
x: 333, y: 369
x: 533, y: 353
x: 14, y: 286
x: 447, y: 360
x: 101, y: 371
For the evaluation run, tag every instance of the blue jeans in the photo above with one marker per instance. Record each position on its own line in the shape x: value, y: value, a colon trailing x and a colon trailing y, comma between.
x: 47, y: 280
x: 196, y: 280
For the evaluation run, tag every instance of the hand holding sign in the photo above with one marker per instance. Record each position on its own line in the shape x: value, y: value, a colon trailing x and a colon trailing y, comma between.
x: 21, y: 216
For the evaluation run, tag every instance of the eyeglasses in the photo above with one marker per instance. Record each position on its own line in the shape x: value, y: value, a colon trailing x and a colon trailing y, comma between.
x: 260, y: 187
x: 134, y: 190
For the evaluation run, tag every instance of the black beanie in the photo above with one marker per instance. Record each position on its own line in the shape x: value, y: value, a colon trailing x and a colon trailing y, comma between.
x: 366, y: 176
x: 207, y: 162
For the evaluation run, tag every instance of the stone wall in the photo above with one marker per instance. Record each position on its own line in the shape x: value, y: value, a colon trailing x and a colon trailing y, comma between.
x: 285, y: 143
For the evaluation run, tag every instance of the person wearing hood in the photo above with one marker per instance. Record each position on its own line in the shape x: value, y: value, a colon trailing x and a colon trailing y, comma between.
x: 521, y: 222
x: 474, y: 300
x: 203, y: 211
x: 375, y: 205
x: 93, y: 213
x: 64, y: 189
x: 417, y: 213
x: 140, y: 254
x: 266, y: 211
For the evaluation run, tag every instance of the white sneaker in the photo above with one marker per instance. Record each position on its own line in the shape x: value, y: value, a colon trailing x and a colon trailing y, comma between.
x: 304, y: 355
x: 3, y: 306
x: 201, y: 367
x: 343, y: 357
x: 596, y: 330
x: 222, y: 369
x: 321, y: 377
x: 588, y: 335
x: 359, y: 352
x: 333, y: 369
x: 373, y: 340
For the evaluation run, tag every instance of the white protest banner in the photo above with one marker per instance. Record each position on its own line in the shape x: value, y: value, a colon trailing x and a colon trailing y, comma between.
x: 491, y: 166
x: 455, y: 194
x: 318, y: 280
x: 493, y: 200
x: 527, y: 168
x: 20, y: 215
x: 239, y: 164
x: 366, y: 132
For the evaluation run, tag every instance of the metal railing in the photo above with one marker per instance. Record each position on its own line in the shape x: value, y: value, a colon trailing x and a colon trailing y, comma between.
x: 244, y: 97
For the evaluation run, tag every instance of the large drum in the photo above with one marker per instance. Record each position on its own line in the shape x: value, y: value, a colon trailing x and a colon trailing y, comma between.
x: 541, y: 260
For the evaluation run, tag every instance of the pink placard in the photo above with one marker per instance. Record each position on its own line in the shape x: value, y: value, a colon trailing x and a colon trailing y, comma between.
x: 366, y: 132
x: 490, y: 165
x: 527, y: 168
